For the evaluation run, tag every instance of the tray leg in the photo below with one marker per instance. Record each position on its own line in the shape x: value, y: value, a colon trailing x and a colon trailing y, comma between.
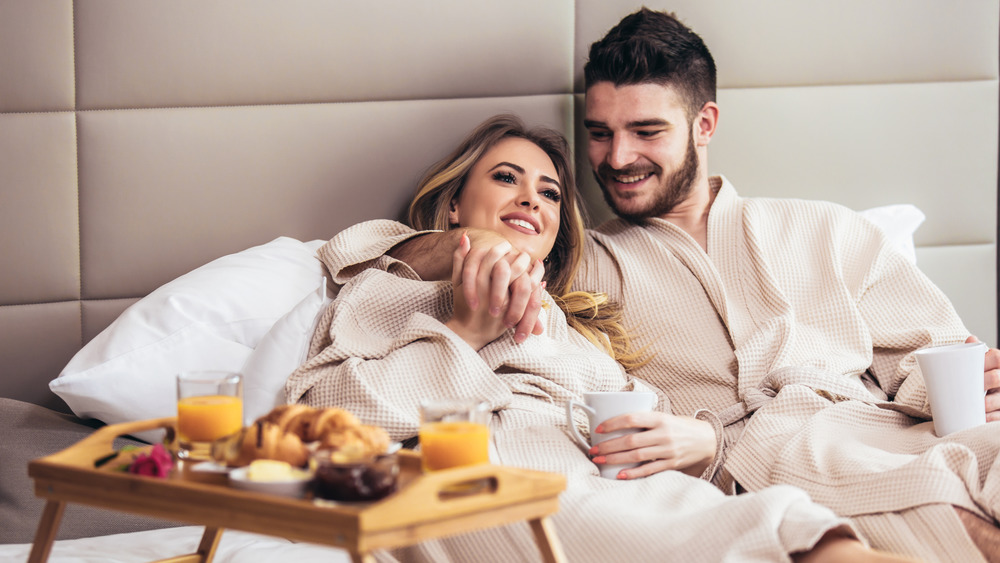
x: 204, y: 553
x: 362, y: 557
x: 548, y: 542
x: 209, y: 543
x: 46, y: 532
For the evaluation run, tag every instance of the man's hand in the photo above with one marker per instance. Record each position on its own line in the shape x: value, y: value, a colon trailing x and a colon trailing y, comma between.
x: 482, y: 324
x: 665, y: 442
x: 991, y: 381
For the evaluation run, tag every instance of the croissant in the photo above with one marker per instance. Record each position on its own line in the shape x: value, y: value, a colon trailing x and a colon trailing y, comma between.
x: 290, y: 432
x: 265, y: 440
x: 331, y: 421
x: 357, y: 441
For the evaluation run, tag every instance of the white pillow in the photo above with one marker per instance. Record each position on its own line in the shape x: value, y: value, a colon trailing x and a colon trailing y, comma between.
x: 279, y: 353
x: 899, y: 222
x: 209, y: 318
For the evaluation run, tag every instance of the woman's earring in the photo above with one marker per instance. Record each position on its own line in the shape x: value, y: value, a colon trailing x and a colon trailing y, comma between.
x: 545, y: 261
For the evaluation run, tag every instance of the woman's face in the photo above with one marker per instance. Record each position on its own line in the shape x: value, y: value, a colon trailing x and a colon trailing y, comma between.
x: 513, y: 190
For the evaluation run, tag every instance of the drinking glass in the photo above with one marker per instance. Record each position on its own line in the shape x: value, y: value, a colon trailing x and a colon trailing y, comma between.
x: 453, y: 433
x: 209, y: 408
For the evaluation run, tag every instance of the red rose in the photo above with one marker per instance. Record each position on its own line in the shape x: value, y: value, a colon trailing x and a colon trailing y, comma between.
x: 155, y: 464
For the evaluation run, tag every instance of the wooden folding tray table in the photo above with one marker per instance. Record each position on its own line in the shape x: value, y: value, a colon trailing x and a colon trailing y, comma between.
x: 420, y: 509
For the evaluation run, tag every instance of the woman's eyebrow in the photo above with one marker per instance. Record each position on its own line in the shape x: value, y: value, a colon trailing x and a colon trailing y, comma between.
x: 545, y: 178
x: 520, y: 170
x: 514, y: 166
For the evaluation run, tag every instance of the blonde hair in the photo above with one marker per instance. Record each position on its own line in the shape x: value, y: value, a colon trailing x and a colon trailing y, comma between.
x: 593, y: 315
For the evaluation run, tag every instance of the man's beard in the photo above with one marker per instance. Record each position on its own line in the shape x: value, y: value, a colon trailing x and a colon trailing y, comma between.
x: 673, y: 189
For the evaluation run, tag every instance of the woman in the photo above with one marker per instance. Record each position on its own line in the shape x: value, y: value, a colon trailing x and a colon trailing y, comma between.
x: 391, y: 339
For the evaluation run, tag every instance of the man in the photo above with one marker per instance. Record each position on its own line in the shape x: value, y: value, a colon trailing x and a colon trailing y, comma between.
x: 782, y: 329
x: 794, y: 299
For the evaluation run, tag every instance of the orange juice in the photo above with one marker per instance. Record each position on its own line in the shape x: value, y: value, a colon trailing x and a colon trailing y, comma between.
x: 452, y: 444
x: 209, y: 417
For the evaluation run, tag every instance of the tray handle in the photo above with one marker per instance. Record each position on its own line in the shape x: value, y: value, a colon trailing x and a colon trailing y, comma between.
x: 100, y: 443
x: 466, y: 489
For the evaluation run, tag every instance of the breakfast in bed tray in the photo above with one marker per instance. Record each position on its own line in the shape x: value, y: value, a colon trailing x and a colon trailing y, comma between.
x: 299, y: 473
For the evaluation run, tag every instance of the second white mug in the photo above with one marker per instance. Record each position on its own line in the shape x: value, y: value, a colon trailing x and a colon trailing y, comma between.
x: 601, y: 406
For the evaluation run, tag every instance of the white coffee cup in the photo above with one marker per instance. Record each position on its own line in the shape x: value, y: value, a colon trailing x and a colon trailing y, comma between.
x: 601, y: 406
x: 953, y: 375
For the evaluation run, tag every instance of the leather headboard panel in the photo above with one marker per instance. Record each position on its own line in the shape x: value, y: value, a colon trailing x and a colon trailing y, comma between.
x: 769, y: 43
x: 218, y: 180
x: 888, y: 156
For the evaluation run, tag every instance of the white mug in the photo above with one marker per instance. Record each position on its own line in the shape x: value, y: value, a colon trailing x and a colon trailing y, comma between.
x: 601, y: 406
x: 953, y: 376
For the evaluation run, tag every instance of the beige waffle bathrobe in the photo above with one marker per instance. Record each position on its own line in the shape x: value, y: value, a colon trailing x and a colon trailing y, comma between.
x: 803, y: 314
x: 381, y: 347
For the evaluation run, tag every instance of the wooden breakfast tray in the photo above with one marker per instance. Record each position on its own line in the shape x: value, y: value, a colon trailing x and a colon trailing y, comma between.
x: 421, y: 509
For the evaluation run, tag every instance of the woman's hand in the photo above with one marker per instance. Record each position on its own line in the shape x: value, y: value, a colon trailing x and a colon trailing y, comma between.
x: 664, y: 442
x: 991, y: 381
x: 431, y: 256
x: 514, y: 281
x: 484, y: 277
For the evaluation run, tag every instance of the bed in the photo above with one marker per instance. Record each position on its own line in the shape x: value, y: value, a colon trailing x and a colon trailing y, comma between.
x: 167, y: 169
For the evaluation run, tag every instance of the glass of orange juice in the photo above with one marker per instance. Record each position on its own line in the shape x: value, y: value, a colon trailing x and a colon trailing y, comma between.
x: 453, y: 432
x: 209, y: 408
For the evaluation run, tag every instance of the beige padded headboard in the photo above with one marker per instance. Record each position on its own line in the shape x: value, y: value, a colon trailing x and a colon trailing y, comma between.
x: 140, y: 139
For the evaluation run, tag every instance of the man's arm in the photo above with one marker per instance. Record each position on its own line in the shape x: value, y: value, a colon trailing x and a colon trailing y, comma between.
x: 513, y: 291
x: 430, y: 254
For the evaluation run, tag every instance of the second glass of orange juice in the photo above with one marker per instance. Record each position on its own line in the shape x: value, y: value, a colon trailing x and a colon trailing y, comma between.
x: 209, y: 408
x: 453, y: 433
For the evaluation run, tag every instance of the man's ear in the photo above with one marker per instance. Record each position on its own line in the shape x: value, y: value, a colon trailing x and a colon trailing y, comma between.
x: 453, y: 212
x: 705, y: 123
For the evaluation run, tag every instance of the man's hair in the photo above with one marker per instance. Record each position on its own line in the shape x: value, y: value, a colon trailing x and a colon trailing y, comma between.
x: 654, y: 47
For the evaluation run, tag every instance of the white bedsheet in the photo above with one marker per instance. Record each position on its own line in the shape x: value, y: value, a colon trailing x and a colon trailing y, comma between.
x: 152, y: 545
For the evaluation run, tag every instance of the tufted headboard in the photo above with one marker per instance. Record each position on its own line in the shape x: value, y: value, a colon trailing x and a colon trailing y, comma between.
x: 140, y: 139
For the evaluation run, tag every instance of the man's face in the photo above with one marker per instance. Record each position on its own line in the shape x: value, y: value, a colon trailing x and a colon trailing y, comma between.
x: 641, y: 148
